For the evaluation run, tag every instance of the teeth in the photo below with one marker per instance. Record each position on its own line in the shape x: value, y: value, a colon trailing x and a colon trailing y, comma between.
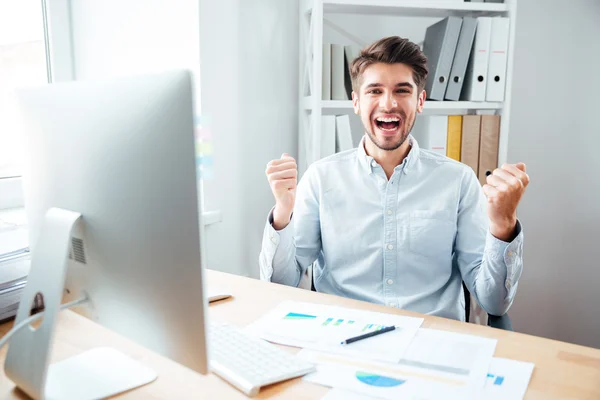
x: 393, y: 119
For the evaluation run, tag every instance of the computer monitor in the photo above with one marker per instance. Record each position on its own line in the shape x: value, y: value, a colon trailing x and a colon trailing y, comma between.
x: 122, y: 153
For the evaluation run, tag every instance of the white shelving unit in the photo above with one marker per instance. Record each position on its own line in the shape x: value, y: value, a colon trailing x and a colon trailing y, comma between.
x: 312, y: 107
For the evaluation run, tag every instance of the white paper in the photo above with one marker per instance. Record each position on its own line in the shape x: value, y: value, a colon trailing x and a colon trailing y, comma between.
x: 323, y: 328
x: 13, y: 231
x: 342, y: 394
x: 507, y: 379
x: 464, y: 358
x: 437, y: 364
x: 372, y: 378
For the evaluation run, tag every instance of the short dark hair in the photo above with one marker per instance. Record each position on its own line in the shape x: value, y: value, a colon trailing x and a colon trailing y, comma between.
x: 391, y: 50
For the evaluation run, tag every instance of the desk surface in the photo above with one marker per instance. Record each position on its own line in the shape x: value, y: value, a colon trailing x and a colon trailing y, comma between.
x: 562, y: 370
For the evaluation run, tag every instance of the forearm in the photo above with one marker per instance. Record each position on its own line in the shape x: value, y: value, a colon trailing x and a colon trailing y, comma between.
x: 495, y: 281
x: 278, y: 255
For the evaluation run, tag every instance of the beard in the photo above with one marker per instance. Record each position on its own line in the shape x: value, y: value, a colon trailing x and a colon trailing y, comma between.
x: 391, y: 146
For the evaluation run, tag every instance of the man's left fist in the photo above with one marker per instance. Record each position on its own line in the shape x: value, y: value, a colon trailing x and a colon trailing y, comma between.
x: 504, y: 189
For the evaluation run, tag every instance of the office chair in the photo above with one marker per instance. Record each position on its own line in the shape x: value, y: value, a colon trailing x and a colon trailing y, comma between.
x: 495, y: 321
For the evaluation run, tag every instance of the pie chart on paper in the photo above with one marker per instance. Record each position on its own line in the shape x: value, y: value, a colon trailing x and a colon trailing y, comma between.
x: 378, y: 380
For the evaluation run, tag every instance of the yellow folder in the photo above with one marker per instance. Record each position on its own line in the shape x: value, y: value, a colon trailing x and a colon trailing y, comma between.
x: 453, y: 143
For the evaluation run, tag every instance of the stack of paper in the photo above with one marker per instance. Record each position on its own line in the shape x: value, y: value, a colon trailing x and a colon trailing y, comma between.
x: 14, y: 264
x: 409, y: 362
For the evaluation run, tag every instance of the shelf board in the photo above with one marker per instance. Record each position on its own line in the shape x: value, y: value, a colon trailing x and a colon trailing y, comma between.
x: 413, y: 7
x: 442, y: 107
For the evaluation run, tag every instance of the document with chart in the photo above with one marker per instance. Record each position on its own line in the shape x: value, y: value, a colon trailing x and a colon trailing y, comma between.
x: 437, y: 363
x: 320, y: 327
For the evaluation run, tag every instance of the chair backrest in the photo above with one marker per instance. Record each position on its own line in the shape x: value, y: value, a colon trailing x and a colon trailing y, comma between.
x: 467, y: 302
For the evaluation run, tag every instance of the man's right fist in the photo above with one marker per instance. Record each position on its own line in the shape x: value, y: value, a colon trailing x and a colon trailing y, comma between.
x: 283, y: 178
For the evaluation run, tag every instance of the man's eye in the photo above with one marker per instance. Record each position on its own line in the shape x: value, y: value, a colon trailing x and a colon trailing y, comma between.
x: 402, y: 91
x: 375, y: 91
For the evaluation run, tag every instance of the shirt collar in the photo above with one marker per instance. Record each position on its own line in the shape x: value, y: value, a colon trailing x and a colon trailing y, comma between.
x: 367, y: 161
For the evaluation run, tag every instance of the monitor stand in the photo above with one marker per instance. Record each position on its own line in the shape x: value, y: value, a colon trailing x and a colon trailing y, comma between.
x: 94, y: 374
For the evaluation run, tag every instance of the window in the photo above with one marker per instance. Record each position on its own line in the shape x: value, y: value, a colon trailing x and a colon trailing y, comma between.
x: 22, y: 63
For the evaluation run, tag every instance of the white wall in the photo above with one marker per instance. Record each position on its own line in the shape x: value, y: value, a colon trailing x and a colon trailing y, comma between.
x: 249, y: 52
x: 249, y: 74
x: 555, y: 129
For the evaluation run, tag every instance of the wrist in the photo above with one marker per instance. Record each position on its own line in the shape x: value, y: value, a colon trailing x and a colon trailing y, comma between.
x: 504, y: 230
x: 281, y: 217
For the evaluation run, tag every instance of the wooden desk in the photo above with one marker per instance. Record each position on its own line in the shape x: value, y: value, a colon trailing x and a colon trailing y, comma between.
x: 562, y: 370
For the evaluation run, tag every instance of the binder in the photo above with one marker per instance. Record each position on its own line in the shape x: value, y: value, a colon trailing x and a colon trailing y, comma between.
x: 453, y: 141
x: 327, y: 135
x: 326, y: 82
x: 351, y: 52
x: 488, y: 146
x: 343, y: 133
x: 338, y: 73
x: 496, y: 81
x: 469, y: 149
x: 431, y: 132
x: 474, y: 85
x: 461, y: 58
x: 439, y: 46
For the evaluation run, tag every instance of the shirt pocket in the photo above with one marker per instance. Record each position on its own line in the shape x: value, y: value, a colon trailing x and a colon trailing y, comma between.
x: 432, y: 233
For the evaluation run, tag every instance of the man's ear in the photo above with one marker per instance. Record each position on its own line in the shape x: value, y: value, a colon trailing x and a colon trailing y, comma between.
x: 421, y: 101
x: 355, y: 103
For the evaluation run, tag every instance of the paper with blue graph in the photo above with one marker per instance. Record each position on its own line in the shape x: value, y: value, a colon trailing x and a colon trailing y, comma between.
x: 437, y: 364
x: 506, y: 380
x: 320, y: 327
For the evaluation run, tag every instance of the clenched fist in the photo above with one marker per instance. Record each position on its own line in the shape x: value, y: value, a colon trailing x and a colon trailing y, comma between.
x: 283, y: 179
x: 504, y: 189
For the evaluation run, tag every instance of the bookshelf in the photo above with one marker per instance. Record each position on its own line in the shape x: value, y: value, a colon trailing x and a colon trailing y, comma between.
x: 311, y: 106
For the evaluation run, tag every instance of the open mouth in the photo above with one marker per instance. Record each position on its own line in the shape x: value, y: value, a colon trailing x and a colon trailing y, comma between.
x: 387, y: 124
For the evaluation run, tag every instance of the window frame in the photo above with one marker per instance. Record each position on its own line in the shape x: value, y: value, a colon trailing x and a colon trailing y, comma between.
x: 56, y: 17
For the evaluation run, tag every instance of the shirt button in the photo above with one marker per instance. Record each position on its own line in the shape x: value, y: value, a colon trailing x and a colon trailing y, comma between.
x: 390, y: 281
x: 390, y: 247
x: 389, y: 212
x: 373, y: 163
x: 510, y: 253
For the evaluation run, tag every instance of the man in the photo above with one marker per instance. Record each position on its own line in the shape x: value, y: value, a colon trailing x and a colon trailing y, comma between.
x: 391, y: 223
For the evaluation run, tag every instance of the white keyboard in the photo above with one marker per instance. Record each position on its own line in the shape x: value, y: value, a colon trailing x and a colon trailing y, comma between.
x: 249, y: 363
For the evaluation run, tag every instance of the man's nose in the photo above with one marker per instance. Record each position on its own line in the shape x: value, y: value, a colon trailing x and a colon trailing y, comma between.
x: 387, y: 102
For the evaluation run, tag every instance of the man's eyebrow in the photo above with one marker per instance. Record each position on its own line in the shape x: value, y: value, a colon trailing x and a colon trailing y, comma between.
x: 404, y: 84
x: 399, y: 84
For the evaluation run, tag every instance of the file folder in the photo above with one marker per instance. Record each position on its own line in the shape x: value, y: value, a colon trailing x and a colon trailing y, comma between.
x: 431, y: 132
x: 351, y: 52
x: 488, y: 146
x: 327, y: 135
x: 453, y: 143
x: 461, y: 58
x: 469, y: 153
x: 343, y: 133
x: 338, y: 73
x: 496, y: 81
x: 476, y: 76
x: 326, y: 82
x: 439, y: 46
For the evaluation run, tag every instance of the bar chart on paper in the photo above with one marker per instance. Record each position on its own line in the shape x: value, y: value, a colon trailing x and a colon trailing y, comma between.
x: 324, y: 327
x: 336, y: 322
